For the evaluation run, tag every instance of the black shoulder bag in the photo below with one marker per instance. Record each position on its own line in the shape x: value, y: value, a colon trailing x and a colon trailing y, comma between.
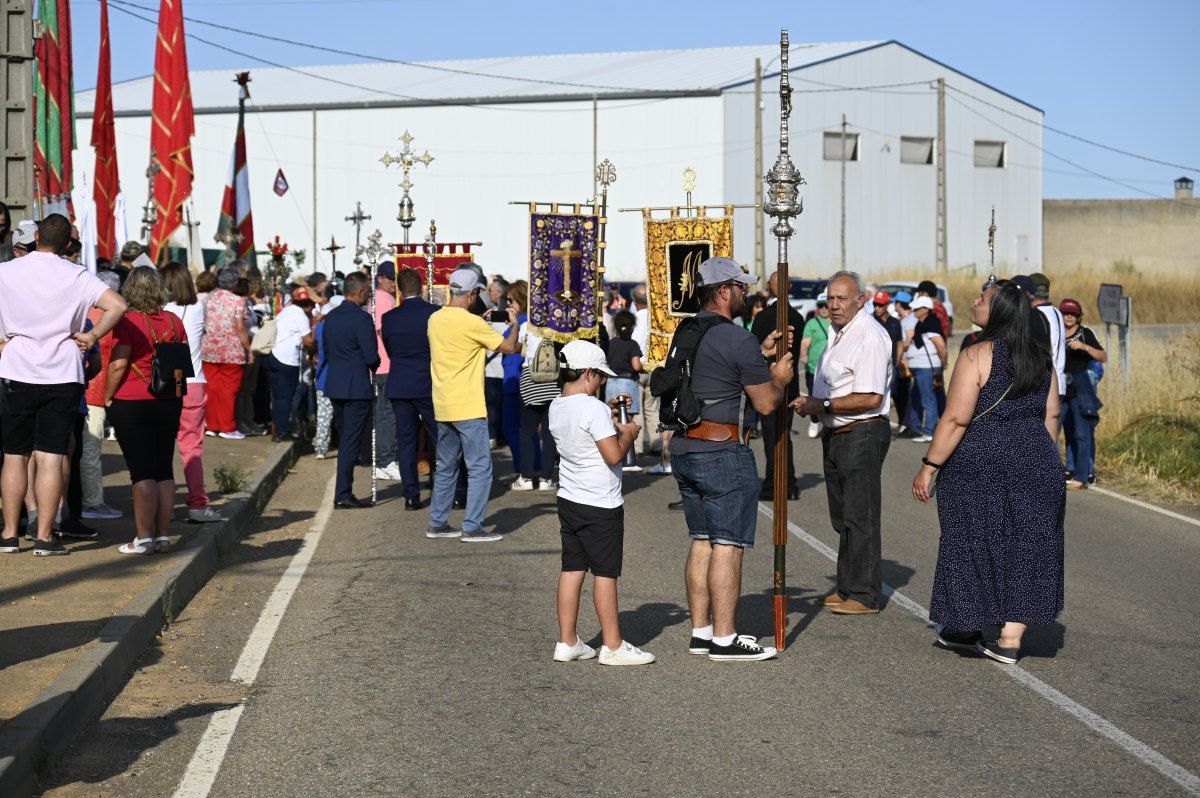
x: 170, y: 367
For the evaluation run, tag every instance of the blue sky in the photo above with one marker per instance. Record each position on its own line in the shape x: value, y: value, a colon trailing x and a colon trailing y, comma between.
x: 1121, y: 73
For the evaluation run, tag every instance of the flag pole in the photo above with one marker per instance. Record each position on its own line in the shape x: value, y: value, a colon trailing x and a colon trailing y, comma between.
x: 782, y: 202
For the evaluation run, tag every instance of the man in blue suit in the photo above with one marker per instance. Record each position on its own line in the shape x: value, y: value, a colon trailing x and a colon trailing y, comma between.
x: 409, y: 388
x: 351, y: 353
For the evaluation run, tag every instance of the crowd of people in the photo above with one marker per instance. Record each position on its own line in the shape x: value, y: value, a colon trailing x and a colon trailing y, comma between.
x: 166, y: 361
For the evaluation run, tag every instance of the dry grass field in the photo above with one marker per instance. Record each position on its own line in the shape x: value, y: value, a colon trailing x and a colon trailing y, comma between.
x: 1148, y: 440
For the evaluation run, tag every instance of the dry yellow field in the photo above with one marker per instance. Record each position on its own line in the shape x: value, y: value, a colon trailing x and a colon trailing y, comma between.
x: 1148, y: 440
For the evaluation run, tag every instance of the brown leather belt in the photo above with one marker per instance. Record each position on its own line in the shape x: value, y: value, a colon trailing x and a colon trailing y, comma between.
x: 853, y: 424
x: 715, y: 432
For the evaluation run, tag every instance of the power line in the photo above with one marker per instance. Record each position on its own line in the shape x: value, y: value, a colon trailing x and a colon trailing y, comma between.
x: 347, y: 84
x: 369, y: 57
x: 1072, y: 135
x: 1045, y: 151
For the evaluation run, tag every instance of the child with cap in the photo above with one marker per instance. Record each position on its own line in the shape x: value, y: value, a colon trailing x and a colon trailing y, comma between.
x: 591, y: 510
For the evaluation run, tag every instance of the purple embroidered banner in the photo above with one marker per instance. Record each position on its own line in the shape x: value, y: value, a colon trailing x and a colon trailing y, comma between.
x: 562, y: 275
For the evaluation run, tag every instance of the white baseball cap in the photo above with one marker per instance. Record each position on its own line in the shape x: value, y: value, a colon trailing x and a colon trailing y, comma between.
x: 922, y: 302
x: 580, y: 355
x: 24, y: 233
x: 464, y: 280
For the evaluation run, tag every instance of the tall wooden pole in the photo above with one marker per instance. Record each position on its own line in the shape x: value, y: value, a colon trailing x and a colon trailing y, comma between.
x: 782, y: 203
x: 843, y: 192
x: 760, y: 255
x: 940, y: 256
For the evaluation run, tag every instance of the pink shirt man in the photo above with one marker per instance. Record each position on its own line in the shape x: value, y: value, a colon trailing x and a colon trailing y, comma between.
x: 384, y: 301
x: 44, y: 300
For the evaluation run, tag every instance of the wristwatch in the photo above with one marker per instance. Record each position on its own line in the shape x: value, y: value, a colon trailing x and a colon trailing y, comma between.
x: 827, y: 405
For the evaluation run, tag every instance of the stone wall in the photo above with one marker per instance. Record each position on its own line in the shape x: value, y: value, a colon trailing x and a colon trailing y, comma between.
x: 1160, y: 235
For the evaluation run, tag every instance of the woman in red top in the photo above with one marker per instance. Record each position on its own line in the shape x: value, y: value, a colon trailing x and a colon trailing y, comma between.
x: 146, y: 427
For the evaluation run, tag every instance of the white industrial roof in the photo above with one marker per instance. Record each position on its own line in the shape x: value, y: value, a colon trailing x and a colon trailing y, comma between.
x: 650, y: 73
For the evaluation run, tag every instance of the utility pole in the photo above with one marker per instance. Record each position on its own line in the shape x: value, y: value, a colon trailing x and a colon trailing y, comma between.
x: 314, y: 189
x: 595, y: 143
x: 843, y: 192
x: 760, y: 257
x: 940, y: 259
x: 16, y: 129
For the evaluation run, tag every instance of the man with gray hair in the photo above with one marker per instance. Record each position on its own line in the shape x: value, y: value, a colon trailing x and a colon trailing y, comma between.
x: 851, y: 399
x: 458, y: 345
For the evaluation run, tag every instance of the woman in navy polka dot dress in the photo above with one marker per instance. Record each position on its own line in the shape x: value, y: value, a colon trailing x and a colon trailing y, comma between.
x: 1000, y: 490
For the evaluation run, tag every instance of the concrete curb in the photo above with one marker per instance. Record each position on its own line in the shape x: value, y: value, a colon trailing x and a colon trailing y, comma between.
x: 34, y: 741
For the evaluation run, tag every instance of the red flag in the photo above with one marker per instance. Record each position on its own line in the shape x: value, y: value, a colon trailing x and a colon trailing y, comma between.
x: 235, y: 205
x: 172, y: 125
x: 54, y: 100
x: 104, y: 140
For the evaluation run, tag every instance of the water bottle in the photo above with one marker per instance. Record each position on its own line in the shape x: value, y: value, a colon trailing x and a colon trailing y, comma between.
x: 623, y: 417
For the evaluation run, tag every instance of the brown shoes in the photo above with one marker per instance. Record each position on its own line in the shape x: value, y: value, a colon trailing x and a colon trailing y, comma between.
x: 853, y: 607
x: 832, y: 600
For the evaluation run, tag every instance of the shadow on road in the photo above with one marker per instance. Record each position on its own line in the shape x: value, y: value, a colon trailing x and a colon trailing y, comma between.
x: 644, y: 624
x: 137, y: 736
x: 756, y: 612
x: 34, y: 642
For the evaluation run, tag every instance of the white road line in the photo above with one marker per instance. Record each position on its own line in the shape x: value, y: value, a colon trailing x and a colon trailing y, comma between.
x: 206, y: 763
x: 1183, y: 777
x: 1145, y: 505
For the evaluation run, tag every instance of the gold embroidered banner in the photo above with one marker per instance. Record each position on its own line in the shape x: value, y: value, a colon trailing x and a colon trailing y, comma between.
x: 675, y: 248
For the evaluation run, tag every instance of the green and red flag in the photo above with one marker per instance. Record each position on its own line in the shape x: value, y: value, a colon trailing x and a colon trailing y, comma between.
x: 235, y: 228
x: 54, y: 107
x: 107, y: 183
x: 172, y: 125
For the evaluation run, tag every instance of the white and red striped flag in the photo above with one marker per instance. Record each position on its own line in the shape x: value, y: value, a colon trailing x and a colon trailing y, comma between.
x: 236, y: 218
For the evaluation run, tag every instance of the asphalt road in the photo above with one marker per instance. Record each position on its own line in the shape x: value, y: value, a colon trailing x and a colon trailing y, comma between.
x: 406, y: 666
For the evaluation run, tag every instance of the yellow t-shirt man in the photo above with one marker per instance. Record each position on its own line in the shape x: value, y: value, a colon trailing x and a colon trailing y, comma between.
x: 458, y: 345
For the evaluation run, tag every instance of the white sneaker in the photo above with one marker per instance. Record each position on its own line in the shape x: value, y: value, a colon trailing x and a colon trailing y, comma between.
x: 922, y: 439
x: 102, y: 512
x: 390, y: 471
x: 565, y: 653
x: 207, y: 432
x: 813, y: 429
x: 626, y: 654
x: 659, y: 468
x: 231, y: 436
x: 204, y: 515
x: 547, y: 484
x: 520, y: 483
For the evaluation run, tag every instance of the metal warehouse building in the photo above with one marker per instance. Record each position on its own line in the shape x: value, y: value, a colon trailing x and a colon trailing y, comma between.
x: 528, y: 128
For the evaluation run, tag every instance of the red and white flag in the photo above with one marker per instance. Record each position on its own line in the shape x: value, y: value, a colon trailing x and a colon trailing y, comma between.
x: 281, y: 183
x: 236, y: 218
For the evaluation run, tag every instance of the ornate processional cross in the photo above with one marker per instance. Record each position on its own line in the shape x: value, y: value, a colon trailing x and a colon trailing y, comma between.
x: 566, y: 252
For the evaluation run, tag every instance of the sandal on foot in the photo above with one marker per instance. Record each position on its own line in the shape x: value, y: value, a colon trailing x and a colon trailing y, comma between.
x: 138, y: 546
x: 162, y: 544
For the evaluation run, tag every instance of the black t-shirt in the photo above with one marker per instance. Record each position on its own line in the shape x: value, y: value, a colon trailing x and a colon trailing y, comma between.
x: 764, y: 324
x: 621, y: 353
x: 892, y: 325
x: 1077, y: 359
x: 728, y: 359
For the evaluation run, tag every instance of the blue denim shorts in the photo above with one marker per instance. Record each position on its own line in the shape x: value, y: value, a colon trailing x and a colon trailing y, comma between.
x: 720, y: 494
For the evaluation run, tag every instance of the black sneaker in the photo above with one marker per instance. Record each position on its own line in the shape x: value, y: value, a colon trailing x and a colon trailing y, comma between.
x: 77, y: 530
x: 958, y: 639
x: 994, y: 650
x: 698, y: 645
x: 743, y: 648
x: 54, y: 546
x: 10, y: 545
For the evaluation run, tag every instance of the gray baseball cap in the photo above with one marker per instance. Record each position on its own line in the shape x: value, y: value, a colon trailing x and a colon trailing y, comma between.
x: 722, y: 270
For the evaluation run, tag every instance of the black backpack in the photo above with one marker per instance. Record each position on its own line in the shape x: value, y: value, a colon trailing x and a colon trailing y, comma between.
x: 679, y: 408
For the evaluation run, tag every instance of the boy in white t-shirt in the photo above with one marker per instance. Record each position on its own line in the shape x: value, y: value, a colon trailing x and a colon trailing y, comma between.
x: 591, y: 511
